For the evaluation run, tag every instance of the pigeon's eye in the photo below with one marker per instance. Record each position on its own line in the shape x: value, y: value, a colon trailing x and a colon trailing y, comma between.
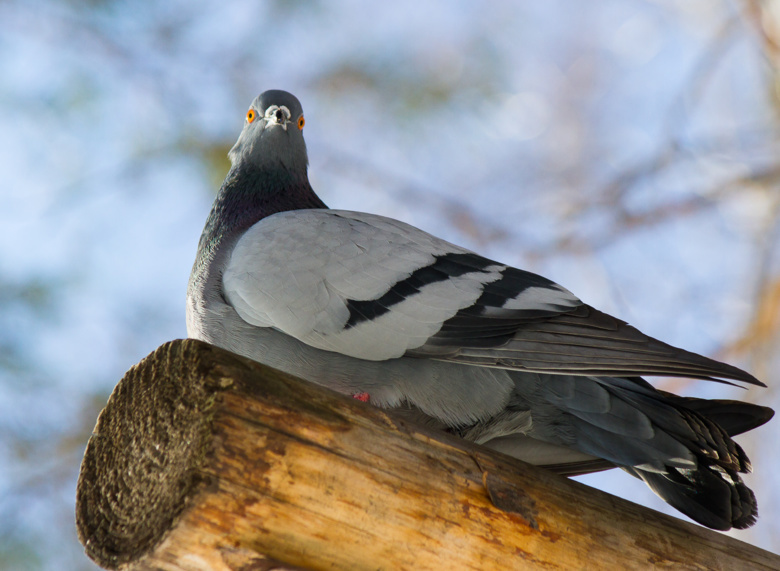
x: 301, y: 122
x: 251, y: 115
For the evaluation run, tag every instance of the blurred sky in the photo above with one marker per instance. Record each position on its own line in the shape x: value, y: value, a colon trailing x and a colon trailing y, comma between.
x: 626, y: 149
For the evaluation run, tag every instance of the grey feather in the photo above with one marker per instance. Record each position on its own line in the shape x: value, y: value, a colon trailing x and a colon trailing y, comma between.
x: 499, y: 356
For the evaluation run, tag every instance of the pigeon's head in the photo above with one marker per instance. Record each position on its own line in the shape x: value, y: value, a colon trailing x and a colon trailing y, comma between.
x: 273, y: 133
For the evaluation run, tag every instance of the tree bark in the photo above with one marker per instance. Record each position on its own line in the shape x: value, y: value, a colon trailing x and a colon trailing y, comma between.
x: 205, y: 460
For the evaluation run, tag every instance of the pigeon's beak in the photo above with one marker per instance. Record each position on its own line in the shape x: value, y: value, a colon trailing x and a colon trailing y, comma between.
x: 277, y: 115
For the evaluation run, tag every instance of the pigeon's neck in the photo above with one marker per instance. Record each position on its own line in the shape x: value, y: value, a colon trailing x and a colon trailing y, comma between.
x: 249, y: 194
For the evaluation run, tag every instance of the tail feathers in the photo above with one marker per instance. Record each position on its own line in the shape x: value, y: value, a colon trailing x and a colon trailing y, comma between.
x: 681, y: 447
x: 733, y: 416
x: 713, y: 493
x: 710, y: 495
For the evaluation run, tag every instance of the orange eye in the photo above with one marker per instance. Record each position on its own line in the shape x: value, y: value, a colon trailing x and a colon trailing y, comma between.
x: 251, y: 115
x: 301, y: 122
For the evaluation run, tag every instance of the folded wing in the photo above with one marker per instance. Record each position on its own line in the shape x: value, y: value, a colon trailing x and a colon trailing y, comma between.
x: 374, y: 288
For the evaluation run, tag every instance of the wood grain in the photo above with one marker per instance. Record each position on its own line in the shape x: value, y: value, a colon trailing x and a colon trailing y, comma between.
x: 205, y: 460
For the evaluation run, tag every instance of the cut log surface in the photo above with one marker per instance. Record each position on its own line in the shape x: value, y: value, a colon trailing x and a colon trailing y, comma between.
x: 205, y: 460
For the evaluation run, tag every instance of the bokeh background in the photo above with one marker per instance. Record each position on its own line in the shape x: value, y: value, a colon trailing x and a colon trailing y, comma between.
x: 626, y: 149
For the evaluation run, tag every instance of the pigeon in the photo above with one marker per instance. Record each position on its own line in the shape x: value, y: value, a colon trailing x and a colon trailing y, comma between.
x: 388, y: 314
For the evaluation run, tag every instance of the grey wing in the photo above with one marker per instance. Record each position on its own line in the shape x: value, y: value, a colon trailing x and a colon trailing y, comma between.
x: 374, y: 288
x: 351, y: 283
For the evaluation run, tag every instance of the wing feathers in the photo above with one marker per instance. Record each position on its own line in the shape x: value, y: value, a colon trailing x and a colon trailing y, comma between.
x: 583, y: 341
x: 374, y: 288
x: 443, y: 268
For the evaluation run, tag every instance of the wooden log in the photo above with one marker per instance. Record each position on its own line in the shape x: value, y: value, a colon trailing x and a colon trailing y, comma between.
x: 204, y: 460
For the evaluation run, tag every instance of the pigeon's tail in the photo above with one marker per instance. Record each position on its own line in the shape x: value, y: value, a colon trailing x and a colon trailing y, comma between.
x: 681, y: 447
x: 709, y: 495
x: 735, y: 417
x: 712, y: 493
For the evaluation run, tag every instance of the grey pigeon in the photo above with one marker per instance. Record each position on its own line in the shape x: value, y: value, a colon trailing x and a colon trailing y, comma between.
x: 384, y: 312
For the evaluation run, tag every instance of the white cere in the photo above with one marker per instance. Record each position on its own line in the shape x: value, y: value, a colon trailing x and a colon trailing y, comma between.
x: 278, y: 115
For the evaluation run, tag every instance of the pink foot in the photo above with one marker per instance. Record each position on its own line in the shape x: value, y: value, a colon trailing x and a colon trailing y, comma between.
x: 362, y: 397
